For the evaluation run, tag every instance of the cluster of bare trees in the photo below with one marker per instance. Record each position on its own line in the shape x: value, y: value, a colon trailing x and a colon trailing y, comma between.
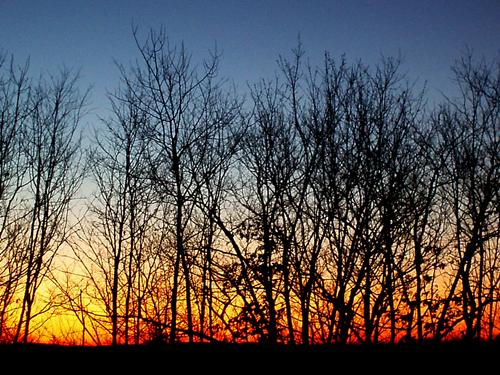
x: 330, y: 206
x: 41, y: 172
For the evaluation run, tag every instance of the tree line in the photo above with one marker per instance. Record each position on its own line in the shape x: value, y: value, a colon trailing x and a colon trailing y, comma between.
x: 333, y: 204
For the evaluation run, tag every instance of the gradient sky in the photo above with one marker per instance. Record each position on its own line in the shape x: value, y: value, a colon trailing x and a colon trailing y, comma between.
x: 429, y: 34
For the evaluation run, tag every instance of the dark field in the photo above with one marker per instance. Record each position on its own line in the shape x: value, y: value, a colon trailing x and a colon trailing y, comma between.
x: 446, y: 358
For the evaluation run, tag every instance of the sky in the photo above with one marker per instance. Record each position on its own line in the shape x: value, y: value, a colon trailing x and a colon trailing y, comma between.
x: 90, y: 35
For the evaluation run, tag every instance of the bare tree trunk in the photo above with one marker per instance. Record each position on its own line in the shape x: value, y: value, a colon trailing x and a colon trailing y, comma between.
x: 287, y: 291
x: 173, y: 302
x: 114, y: 301
x: 418, y: 291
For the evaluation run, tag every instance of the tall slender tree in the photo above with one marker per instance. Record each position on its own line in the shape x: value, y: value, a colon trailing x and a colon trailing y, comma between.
x: 15, y: 90
x: 51, y: 147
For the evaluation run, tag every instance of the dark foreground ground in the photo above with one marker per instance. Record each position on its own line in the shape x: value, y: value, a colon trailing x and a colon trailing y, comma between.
x: 450, y: 357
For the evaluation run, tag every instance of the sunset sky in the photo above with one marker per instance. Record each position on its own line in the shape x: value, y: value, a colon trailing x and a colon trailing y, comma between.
x: 89, y: 35
x: 101, y: 261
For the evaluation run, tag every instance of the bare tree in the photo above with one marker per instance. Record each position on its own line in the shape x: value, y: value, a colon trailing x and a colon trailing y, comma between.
x: 212, y: 160
x: 14, y: 111
x: 124, y: 205
x: 180, y: 102
x: 267, y: 147
x: 469, y: 128
x: 333, y: 206
x: 50, y: 145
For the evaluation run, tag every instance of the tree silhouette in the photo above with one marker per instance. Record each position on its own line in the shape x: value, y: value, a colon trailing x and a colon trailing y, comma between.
x: 51, y: 150
x: 333, y: 204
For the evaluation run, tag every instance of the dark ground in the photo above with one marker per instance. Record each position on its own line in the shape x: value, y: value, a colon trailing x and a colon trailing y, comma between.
x: 444, y: 358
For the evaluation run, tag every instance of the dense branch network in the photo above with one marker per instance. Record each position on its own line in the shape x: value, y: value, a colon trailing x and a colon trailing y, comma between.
x: 331, y: 206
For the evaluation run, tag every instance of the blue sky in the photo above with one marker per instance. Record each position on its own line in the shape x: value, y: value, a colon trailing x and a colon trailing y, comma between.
x: 429, y: 34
